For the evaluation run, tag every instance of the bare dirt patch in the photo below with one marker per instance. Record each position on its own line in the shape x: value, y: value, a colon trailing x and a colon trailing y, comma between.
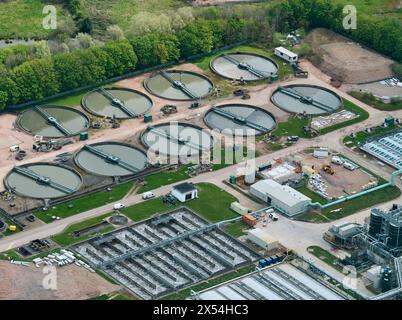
x: 345, y: 60
x: 73, y: 283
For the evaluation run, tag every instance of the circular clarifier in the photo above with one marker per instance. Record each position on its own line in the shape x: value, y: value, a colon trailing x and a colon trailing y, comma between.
x: 312, y: 100
x: 53, y: 121
x: 112, y: 159
x: 179, y: 85
x: 121, y: 103
x: 240, y: 119
x: 244, y: 66
x: 43, y: 181
x: 177, y: 139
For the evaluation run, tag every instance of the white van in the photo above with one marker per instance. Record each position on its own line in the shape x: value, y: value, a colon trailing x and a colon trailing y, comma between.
x: 273, y: 216
x: 148, y: 195
x: 118, y: 206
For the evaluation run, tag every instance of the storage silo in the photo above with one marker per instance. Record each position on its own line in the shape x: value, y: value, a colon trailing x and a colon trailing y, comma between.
x: 376, y: 220
x: 395, y: 235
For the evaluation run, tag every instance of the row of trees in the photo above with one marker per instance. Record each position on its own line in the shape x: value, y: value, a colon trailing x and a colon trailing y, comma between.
x: 382, y: 35
x: 44, y: 76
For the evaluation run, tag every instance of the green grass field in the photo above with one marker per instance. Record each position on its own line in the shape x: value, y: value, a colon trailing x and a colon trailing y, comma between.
x: 164, y: 178
x: 326, y: 256
x: 23, y: 19
x: 85, y: 203
x: 65, y: 238
x: 352, y: 206
x: 237, y: 229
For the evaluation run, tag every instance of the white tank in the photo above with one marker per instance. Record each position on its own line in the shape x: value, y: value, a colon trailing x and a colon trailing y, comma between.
x: 249, y: 174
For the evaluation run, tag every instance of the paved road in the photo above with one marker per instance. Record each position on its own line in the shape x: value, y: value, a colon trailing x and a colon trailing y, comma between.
x: 295, y: 235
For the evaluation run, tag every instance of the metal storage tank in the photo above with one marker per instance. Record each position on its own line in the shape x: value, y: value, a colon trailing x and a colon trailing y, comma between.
x: 395, y: 235
x: 375, y: 223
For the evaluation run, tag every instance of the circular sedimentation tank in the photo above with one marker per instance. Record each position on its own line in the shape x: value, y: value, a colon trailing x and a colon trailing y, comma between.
x: 244, y: 66
x: 177, y: 139
x: 112, y: 159
x: 43, y: 181
x: 308, y: 99
x: 121, y: 103
x: 53, y: 121
x: 179, y: 85
x: 240, y: 119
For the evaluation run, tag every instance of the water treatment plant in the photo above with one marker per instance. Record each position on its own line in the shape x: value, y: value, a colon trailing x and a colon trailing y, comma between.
x: 43, y: 181
x: 244, y: 66
x: 111, y: 159
x: 177, y: 139
x: 311, y: 100
x: 181, y: 166
x: 53, y: 121
x: 240, y: 119
x: 179, y: 85
x: 119, y: 103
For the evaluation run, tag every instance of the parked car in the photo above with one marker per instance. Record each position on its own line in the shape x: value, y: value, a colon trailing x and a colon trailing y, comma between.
x: 148, y: 195
x: 293, y: 138
x: 118, y: 206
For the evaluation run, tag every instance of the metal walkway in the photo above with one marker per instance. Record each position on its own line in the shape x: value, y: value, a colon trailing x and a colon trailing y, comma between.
x: 178, y: 140
x: 153, y: 247
x: 42, y: 180
x: 305, y: 99
x: 111, y: 159
x: 117, y: 102
x: 179, y: 85
x: 52, y: 121
x: 245, y: 66
x: 239, y: 119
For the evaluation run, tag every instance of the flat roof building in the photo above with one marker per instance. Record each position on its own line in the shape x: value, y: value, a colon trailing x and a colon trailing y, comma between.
x: 283, y: 198
x: 262, y: 239
x: 286, y: 54
x: 184, y: 192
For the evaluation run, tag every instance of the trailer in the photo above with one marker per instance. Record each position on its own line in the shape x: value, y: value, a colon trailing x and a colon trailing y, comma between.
x: 286, y: 54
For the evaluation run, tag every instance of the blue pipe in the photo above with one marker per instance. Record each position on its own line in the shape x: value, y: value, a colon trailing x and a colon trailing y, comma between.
x: 391, y: 183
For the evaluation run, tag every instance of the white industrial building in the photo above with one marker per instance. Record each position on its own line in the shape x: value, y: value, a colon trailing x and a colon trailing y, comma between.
x: 283, y: 198
x: 185, y: 192
x: 286, y: 54
x: 262, y: 239
x: 280, y: 174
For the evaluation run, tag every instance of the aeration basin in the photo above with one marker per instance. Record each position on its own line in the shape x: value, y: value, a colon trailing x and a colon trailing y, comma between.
x: 121, y: 103
x: 179, y: 85
x: 244, y: 66
x: 43, y: 181
x: 111, y: 159
x: 240, y: 119
x: 53, y: 121
x: 311, y: 100
x: 177, y: 139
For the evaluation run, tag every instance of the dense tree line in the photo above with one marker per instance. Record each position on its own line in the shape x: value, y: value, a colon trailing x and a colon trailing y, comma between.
x: 39, y: 75
x: 382, y: 35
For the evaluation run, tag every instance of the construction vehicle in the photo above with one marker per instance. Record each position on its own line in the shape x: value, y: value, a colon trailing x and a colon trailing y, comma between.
x: 328, y: 169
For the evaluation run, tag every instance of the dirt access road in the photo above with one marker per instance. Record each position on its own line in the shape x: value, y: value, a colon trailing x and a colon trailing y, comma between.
x: 332, y: 140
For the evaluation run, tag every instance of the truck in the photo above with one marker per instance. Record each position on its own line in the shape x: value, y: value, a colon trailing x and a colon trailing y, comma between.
x: 273, y: 216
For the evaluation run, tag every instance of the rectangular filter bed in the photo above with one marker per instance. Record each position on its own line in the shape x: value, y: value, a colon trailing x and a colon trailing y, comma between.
x: 166, y: 253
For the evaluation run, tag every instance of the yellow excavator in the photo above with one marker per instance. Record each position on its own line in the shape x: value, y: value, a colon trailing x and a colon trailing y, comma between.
x: 328, y: 169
